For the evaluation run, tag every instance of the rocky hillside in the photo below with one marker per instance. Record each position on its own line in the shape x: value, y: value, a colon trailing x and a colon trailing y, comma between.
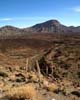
x: 10, y: 31
x: 54, y: 26
x: 51, y: 26
x: 52, y: 73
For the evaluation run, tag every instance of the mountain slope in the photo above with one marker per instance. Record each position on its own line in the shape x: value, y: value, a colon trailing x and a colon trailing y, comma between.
x: 10, y: 32
x: 54, y: 26
x: 51, y: 26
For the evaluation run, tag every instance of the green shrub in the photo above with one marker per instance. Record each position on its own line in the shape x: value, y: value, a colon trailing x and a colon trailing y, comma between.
x: 3, y: 74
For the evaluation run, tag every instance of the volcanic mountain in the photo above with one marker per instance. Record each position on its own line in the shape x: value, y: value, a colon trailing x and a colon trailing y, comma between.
x: 51, y: 26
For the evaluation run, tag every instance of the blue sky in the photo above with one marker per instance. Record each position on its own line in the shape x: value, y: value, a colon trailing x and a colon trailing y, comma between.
x: 25, y: 13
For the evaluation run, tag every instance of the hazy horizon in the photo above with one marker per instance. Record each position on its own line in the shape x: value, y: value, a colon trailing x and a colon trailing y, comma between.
x: 37, y: 23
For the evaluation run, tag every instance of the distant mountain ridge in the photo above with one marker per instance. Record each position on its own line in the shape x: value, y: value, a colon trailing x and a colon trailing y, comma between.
x: 51, y: 26
x: 54, y: 26
x: 10, y: 31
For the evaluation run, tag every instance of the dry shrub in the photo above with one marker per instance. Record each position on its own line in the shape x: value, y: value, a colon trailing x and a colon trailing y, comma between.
x: 33, y: 77
x: 53, y: 87
x: 3, y: 74
x: 7, y: 86
x: 22, y: 93
x: 12, y: 77
x: 50, y: 86
x: 1, y: 84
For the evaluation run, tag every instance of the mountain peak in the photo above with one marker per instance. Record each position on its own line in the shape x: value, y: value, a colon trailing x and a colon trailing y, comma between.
x: 53, y: 22
x: 8, y: 27
x: 48, y: 26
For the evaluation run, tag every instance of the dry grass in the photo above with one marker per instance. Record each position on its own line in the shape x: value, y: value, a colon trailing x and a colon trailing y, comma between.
x: 33, y: 77
x: 22, y: 93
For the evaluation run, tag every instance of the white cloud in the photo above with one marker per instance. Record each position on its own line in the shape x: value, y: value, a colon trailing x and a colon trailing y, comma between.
x: 76, y: 9
x: 25, y: 18
x: 5, y: 19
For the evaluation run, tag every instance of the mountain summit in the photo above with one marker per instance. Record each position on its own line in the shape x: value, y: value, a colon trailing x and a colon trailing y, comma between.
x: 52, y: 26
x: 52, y: 22
x: 48, y: 26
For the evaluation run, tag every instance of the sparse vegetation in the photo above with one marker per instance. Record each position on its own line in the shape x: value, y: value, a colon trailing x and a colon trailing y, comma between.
x: 22, y: 93
x: 3, y: 74
x: 53, y: 87
x: 51, y: 61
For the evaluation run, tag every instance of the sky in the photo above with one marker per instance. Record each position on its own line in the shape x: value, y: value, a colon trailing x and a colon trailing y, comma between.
x: 25, y: 13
